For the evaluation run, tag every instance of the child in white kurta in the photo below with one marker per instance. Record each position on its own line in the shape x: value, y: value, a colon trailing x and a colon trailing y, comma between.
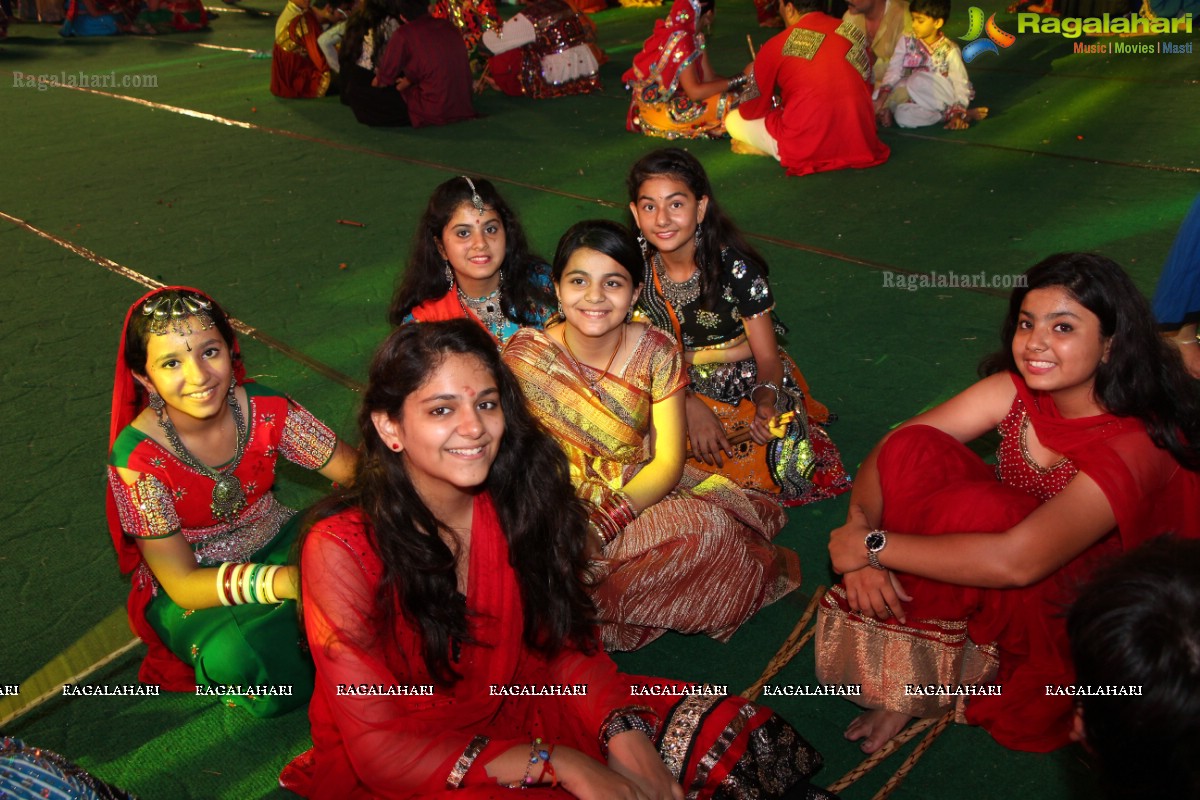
x: 926, y: 81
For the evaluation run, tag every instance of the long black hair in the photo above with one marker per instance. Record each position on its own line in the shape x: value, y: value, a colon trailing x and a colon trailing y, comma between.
x: 371, y: 17
x: 544, y: 522
x: 1137, y: 623
x: 606, y: 237
x: 716, y: 233
x: 1143, y: 376
x: 522, y: 293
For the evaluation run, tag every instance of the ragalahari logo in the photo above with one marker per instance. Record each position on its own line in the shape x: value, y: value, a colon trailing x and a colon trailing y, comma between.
x: 996, y: 38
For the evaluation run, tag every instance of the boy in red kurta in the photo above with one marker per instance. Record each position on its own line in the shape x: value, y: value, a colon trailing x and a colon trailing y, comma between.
x: 823, y: 118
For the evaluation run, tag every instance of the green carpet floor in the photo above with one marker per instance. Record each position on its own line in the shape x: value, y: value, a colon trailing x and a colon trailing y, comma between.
x: 206, y: 179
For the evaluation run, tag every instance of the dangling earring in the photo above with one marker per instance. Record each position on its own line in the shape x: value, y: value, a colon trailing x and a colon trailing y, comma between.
x: 629, y: 315
x: 157, y: 403
x: 641, y: 240
x: 449, y: 272
x: 232, y: 386
x: 698, y: 224
x: 501, y: 274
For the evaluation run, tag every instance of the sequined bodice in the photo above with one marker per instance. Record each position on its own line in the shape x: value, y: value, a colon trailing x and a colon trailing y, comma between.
x: 1015, y: 465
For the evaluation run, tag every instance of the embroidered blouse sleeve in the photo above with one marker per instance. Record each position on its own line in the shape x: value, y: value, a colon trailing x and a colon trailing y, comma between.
x: 146, y: 506
x: 667, y: 375
x: 402, y: 745
x: 747, y: 286
x: 306, y: 440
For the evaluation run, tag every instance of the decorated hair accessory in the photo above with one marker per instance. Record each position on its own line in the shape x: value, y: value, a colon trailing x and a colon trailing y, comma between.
x: 169, y: 312
x: 476, y: 200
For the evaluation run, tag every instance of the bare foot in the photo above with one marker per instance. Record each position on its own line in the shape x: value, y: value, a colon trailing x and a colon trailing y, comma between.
x: 746, y: 149
x: 957, y: 124
x: 976, y: 114
x: 884, y: 118
x: 876, y: 728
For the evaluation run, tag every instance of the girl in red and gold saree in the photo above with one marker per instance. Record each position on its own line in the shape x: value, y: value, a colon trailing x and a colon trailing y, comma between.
x: 954, y: 569
x: 676, y: 93
x: 193, y: 448
x: 675, y: 548
x: 470, y: 261
x: 708, y: 287
x: 453, y: 639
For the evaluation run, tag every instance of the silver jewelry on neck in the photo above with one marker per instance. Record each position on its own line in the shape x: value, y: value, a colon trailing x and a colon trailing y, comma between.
x: 228, y: 497
x: 681, y: 293
x: 487, y: 309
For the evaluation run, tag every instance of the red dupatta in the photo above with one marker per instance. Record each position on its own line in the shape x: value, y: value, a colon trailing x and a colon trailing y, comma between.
x: 160, y: 666
x: 1147, y: 489
x: 448, y: 307
x: 671, y: 48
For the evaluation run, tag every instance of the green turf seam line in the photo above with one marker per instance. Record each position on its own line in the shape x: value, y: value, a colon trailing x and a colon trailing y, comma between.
x: 1089, y: 159
x: 1085, y: 76
x: 150, y: 283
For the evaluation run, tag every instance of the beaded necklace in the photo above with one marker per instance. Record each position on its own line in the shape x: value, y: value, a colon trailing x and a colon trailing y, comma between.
x: 228, y: 498
x: 487, y: 309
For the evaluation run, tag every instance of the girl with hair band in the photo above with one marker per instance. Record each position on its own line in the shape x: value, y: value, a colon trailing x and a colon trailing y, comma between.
x: 454, y: 646
x: 192, y: 455
x: 956, y: 572
x: 708, y: 287
x: 470, y: 260
x: 675, y: 91
x: 675, y: 548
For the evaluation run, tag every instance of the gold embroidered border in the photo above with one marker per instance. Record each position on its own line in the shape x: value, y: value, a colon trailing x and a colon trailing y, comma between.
x: 884, y: 659
x: 803, y: 43
x: 858, y: 56
x: 720, y: 747
x: 680, y: 728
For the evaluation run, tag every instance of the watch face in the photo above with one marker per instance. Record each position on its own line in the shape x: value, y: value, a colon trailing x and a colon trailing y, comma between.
x: 875, y: 541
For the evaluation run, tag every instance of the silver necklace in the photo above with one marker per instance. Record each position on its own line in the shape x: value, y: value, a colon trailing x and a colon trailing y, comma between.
x: 228, y: 498
x: 678, y: 294
x: 487, y: 308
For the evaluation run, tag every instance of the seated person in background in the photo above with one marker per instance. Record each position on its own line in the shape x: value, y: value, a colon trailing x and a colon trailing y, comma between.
x: 708, y: 287
x: 1137, y: 623
x: 883, y: 22
x: 298, y: 67
x: 470, y: 260
x: 367, y: 32
x: 193, y: 452
x: 453, y: 563
x: 1177, y: 297
x: 676, y: 94
x: 97, y: 17
x: 823, y: 119
x: 926, y: 81
x: 955, y: 572
x: 676, y: 548
x: 547, y: 50
x: 425, y: 62
x: 470, y: 18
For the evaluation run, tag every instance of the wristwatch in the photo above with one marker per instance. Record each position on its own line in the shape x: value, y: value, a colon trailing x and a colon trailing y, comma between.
x: 876, y: 541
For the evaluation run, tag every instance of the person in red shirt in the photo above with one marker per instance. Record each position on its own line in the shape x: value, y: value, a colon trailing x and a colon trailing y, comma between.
x: 814, y: 110
x: 427, y: 64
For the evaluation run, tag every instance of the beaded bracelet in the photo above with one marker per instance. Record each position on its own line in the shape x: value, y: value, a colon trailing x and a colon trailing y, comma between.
x: 537, y: 755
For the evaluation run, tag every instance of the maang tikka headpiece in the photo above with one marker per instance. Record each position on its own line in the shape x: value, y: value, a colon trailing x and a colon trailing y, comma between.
x: 476, y: 200
x: 170, y: 311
